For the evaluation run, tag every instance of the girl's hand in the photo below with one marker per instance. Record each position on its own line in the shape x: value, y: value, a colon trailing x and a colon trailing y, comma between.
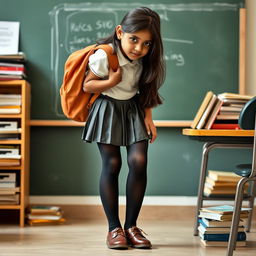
x: 115, y: 77
x: 151, y: 129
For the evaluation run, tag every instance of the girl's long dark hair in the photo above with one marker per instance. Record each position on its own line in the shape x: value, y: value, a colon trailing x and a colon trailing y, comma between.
x: 153, y: 73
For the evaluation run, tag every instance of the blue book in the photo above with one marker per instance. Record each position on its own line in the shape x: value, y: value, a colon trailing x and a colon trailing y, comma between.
x: 241, y: 236
x: 215, y: 223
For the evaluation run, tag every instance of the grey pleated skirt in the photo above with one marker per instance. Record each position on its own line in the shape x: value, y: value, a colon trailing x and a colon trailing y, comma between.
x: 116, y: 122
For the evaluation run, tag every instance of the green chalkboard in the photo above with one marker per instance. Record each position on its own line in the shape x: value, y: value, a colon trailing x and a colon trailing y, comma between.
x: 201, y: 41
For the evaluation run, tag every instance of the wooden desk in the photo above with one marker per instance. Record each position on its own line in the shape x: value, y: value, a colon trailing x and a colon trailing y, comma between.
x: 218, y: 133
x: 216, y: 139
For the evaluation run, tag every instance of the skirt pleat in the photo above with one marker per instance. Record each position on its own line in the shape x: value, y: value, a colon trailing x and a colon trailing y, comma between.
x: 116, y: 122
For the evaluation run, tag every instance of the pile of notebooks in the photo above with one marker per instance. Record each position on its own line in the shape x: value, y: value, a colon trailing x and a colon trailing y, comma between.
x: 215, y: 222
x: 9, y: 155
x: 222, y: 184
x: 9, y: 193
x: 10, y: 103
x: 12, y: 66
x: 45, y: 215
x: 220, y: 111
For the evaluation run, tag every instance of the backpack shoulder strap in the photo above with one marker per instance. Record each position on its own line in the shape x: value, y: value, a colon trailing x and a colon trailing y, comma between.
x: 112, y: 58
x: 113, y: 62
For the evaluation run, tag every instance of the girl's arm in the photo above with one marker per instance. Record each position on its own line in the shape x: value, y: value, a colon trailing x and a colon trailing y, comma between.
x: 94, y: 84
x: 151, y: 129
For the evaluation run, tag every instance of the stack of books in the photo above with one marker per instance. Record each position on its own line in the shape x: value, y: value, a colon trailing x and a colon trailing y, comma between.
x: 45, y: 215
x: 10, y: 103
x: 9, y: 193
x: 220, y: 111
x: 222, y: 184
x: 9, y: 155
x: 12, y: 66
x: 215, y: 222
x: 9, y: 130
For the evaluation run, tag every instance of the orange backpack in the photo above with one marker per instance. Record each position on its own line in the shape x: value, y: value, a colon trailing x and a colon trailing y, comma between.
x: 74, y: 101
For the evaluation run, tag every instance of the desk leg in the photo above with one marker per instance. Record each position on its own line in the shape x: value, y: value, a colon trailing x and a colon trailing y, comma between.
x: 206, y: 148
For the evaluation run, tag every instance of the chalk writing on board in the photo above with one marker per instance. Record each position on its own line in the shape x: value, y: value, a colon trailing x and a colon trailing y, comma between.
x: 75, y: 26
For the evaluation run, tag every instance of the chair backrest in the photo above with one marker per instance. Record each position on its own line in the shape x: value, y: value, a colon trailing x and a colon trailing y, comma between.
x: 247, y: 121
x: 247, y: 115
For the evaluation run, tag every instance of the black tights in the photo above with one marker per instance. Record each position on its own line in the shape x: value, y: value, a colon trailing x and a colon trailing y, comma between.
x: 135, y: 186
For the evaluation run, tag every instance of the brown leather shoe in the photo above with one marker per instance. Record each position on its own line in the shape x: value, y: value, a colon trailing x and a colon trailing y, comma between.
x: 136, y: 239
x: 116, y: 239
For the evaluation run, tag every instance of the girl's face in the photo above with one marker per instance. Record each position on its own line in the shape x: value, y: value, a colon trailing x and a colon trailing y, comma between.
x: 134, y: 45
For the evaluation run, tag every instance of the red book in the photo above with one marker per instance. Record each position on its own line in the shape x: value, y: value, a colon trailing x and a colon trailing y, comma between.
x: 226, y: 126
x: 6, y: 68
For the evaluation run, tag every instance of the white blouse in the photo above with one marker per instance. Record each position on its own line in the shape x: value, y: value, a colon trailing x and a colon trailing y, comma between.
x: 131, y: 72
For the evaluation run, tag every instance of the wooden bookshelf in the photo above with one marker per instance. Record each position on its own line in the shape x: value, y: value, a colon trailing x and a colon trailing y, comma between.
x: 22, y: 171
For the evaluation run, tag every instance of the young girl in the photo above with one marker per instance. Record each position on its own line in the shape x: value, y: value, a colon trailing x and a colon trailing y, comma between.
x: 122, y: 116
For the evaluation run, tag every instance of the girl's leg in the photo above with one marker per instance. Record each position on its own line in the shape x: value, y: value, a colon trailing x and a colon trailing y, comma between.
x: 111, y: 165
x: 136, y: 181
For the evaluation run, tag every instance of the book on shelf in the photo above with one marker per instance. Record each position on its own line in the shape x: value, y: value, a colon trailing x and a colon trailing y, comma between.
x: 19, y: 57
x: 207, y: 112
x: 9, y: 136
x: 217, y: 224
x: 11, y: 130
x: 8, y: 125
x: 11, y: 71
x: 225, y: 126
x: 12, y: 66
x: 241, y: 236
x: 11, y: 77
x: 201, y: 109
x: 9, y: 191
x: 229, y: 108
x: 9, y: 162
x: 6, y: 152
x: 235, y: 96
x: 7, y: 176
x: 9, y: 96
x: 221, y: 243
x: 9, y: 156
x: 227, y: 117
x: 10, y: 199
x: 7, y: 184
x: 7, y: 180
x: 213, y: 114
x: 10, y: 109
x: 9, y: 102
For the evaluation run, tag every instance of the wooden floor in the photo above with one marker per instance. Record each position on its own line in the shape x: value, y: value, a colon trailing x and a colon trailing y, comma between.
x: 87, y: 237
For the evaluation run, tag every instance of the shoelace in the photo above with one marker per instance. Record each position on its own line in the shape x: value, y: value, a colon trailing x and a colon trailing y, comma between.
x: 119, y: 232
x: 139, y: 231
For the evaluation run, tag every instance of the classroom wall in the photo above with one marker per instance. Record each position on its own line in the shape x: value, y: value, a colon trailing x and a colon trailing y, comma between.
x: 61, y: 164
x: 250, y: 47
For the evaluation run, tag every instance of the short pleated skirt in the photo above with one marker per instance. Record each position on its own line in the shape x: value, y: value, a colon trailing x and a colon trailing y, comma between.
x: 115, y: 122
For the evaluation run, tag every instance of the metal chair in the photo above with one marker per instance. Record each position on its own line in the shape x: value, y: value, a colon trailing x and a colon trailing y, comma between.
x: 247, y: 121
